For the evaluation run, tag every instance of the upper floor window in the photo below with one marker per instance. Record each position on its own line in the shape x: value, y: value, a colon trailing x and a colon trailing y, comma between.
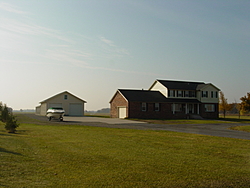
x: 212, y: 94
x: 216, y: 94
x: 182, y: 93
x: 192, y: 94
x: 157, y: 107
x: 179, y: 93
x: 65, y: 97
x: 204, y: 94
x: 144, y: 106
x: 171, y: 93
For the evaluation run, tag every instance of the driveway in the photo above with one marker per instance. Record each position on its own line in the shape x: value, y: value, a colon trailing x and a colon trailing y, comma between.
x: 221, y: 130
x: 111, y: 121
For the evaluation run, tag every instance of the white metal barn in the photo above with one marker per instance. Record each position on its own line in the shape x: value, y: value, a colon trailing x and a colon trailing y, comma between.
x: 73, y: 106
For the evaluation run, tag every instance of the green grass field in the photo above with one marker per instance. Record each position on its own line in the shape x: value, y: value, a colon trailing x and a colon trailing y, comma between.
x: 55, y: 155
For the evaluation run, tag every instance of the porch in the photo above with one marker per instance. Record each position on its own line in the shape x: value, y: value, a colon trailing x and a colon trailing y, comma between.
x: 186, y: 110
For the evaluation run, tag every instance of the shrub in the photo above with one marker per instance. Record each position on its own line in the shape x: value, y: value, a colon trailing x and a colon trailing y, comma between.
x: 5, y: 114
x: 7, y: 117
x: 11, y: 124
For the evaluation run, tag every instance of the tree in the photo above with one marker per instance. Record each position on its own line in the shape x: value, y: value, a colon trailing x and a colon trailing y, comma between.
x: 11, y: 124
x: 245, y: 102
x: 5, y: 114
x: 223, y: 105
x: 8, y: 118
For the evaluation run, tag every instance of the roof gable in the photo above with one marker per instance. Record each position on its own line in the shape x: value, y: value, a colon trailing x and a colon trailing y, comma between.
x: 62, y: 93
x: 203, y: 86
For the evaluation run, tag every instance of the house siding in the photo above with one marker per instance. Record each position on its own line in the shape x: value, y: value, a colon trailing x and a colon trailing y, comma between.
x: 192, y: 102
x: 209, y: 115
x: 159, y: 87
x: 165, y: 111
x: 118, y: 101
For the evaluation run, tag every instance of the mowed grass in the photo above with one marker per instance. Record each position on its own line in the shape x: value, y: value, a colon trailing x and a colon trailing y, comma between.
x: 236, y: 119
x: 79, y: 156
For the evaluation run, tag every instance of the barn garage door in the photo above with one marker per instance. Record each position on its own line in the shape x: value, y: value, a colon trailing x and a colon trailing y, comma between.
x: 55, y: 105
x: 75, y: 109
x: 122, y: 112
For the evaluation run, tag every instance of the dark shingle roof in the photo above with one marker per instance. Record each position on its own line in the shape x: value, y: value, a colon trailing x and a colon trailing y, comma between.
x: 142, y: 95
x: 151, y: 96
x: 182, y: 85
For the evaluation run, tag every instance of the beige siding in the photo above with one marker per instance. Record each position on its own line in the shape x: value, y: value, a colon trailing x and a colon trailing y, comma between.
x: 209, y: 99
x: 38, y: 110
x: 159, y: 87
x: 65, y: 102
x: 60, y: 101
x: 43, y: 109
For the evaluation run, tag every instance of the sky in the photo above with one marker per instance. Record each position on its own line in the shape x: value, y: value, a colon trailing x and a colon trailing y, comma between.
x: 91, y: 48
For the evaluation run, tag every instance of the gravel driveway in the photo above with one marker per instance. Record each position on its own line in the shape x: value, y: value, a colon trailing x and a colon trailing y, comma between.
x: 221, y: 130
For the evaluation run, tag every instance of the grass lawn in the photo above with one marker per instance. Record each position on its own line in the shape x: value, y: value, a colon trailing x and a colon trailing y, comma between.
x: 235, y: 118
x: 242, y: 128
x: 243, y: 119
x: 55, y: 155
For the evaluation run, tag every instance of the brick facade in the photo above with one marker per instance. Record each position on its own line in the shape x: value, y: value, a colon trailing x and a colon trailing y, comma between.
x: 129, y: 103
x: 209, y: 115
x: 117, y: 101
x: 134, y: 110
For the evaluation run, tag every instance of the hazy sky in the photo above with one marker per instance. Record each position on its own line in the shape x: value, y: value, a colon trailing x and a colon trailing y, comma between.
x: 91, y: 48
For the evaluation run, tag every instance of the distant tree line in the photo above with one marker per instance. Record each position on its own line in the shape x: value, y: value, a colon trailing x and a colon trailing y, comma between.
x: 7, y: 117
x: 241, y: 108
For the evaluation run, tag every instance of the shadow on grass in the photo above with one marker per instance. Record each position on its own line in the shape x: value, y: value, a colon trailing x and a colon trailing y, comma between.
x: 7, y: 151
x: 241, y: 120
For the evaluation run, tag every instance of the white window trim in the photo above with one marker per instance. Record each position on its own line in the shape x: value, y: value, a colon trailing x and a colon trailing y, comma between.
x: 208, y: 106
x: 157, y: 107
x: 144, y: 107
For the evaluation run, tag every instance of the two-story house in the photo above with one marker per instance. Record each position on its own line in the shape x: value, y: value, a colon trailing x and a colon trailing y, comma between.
x: 167, y: 99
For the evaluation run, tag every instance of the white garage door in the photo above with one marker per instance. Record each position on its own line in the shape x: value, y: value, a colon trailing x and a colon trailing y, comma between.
x: 122, y: 112
x: 55, y: 105
x: 75, y: 109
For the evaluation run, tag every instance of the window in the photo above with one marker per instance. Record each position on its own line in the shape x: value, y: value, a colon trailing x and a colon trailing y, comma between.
x: 176, y: 107
x: 157, y: 107
x: 144, y: 106
x: 65, y: 97
x: 205, y: 94
x: 212, y: 94
x: 179, y: 94
x: 192, y: 94
x: 209, y: 107
x: 186, y: 93
x: 171, y: 93
x: 216, y: 94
